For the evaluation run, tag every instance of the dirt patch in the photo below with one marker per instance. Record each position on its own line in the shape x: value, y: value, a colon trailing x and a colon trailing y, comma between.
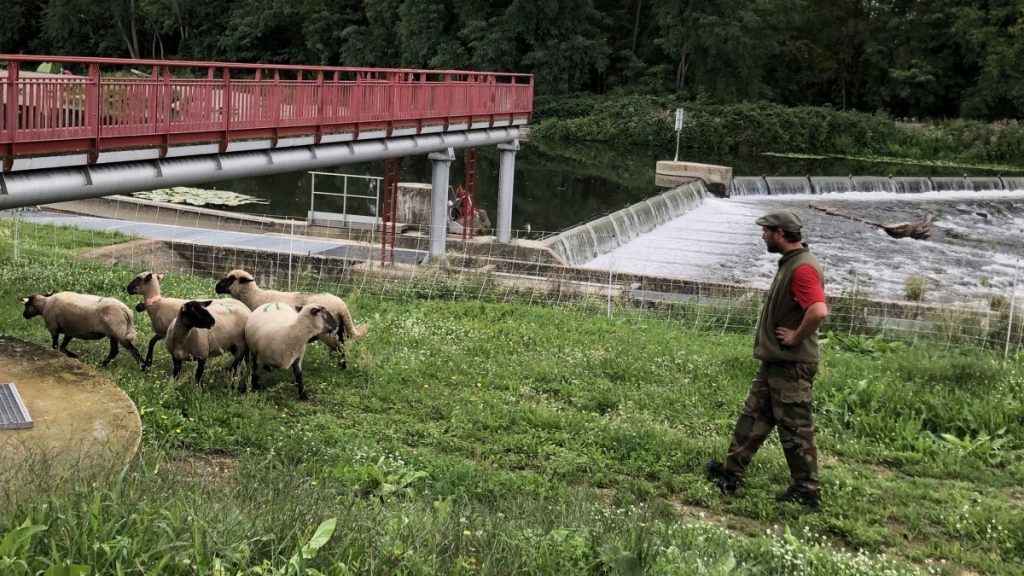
x: 216, y: 468
x: 143, y: 255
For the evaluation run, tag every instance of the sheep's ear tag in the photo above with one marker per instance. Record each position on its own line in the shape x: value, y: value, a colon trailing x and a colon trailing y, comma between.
x: 24, y: 300
x: 245, y: 280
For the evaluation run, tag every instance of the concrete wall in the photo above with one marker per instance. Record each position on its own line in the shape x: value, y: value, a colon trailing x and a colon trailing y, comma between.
x: 414, y: 203
x: 717, y: 178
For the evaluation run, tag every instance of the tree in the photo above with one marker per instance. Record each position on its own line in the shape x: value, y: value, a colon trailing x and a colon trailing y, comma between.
x: 94, y: 27
x: 22, y: 25
x: 373, y: 41
x: 994, y: 30
x: 725, y: 44
x: 264, y: 31
x: 561, y: 42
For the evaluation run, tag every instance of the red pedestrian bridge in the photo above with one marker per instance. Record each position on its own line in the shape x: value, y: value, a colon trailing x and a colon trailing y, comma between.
x: 99, y: 106
x: 74, y: 127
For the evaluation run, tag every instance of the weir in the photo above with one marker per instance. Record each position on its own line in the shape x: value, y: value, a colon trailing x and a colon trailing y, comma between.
x: 787, y: 185
x: 587, y: 241
x: 973, y: 257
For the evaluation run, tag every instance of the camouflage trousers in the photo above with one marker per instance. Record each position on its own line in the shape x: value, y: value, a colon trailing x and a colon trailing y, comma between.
x: 780, y: 396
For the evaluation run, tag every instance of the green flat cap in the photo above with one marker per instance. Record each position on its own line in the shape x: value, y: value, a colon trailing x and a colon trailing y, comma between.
x: 784, y: 219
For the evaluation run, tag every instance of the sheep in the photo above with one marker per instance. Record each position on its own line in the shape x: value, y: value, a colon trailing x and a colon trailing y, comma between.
x: 161, y: 310
x: 84, y: 316
x: 277, y: 334
x: 241, y: 285
x: 206, y: 329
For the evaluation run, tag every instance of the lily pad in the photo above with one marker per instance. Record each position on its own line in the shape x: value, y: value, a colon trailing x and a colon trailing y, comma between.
x: 199, y: 197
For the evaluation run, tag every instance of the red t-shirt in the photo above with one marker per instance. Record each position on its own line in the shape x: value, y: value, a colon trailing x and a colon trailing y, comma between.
x: 806, y: 287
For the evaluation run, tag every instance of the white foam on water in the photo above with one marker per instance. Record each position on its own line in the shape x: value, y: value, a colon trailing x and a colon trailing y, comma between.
x: 976, y: 248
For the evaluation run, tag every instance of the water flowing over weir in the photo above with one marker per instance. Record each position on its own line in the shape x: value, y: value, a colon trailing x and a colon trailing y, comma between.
x: 974, y: 254
x: 585, y: 242
x: 786, y: 185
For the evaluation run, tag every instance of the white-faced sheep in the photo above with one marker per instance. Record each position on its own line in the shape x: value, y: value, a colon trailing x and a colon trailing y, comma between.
x: 206, y: 329
x: 241, y: 285
x: 84, y: 316
x: 161, y: 310
x: 277, y: 334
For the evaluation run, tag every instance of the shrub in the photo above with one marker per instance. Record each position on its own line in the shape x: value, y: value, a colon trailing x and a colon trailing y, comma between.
x: 914, y: 285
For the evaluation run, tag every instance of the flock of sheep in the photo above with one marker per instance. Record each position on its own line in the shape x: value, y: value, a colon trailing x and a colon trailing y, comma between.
x: 270, y: 326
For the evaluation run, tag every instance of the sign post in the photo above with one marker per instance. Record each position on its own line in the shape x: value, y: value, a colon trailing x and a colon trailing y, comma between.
x: 680, y: 116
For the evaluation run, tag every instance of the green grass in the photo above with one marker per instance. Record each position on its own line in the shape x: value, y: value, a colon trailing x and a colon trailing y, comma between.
x: 482, y: 438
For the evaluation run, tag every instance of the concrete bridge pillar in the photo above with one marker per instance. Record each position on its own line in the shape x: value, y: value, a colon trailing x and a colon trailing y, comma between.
x: 506, y: 167
x: 442, y: 163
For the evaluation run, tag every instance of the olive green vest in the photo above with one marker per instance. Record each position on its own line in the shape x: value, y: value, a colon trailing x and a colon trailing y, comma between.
x: 782, y: 310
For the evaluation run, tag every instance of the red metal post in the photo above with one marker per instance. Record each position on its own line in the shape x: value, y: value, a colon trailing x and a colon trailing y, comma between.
x: 168, y: 111
x: 226, y: 98
x: 468, y: 208
x: 13, y: 100
x: 94, y: 104
x: 319, y: 112
x: 389, y: 210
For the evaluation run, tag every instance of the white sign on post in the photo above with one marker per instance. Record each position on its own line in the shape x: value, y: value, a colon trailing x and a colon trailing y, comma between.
x: 680, y: 115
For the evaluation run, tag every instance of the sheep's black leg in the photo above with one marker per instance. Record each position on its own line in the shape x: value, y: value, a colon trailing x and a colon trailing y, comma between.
x: 200, y: 369
x: 238, y: 360
x: 113, y: 352
x: 176, y: 371
x: 337, y: 345
x: 64, y: 347
x: 149, y: 353
x: 297, y: 371
x: 135, y: 354
x: 341, y: 346
x: 56, y: 337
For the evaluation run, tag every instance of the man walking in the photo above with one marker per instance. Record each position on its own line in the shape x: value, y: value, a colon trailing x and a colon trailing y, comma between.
x: 786, y: 343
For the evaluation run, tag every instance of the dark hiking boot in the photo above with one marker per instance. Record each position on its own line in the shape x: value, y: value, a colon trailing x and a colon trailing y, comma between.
x: 802, y: 496
x: 726, y: 481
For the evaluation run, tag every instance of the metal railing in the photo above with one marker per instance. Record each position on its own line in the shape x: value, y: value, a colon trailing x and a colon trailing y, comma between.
x: 109, y: 104
x: 344, y: 218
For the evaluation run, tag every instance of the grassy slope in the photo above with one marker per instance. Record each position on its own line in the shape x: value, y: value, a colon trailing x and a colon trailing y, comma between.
x: 483, y: 438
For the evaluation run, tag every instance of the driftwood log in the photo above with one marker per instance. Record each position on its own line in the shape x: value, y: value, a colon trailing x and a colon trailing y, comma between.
x: 916, y: 230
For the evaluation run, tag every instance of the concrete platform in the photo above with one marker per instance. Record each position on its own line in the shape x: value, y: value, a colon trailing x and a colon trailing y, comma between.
x: 718, y: 179
x: 81, y: 419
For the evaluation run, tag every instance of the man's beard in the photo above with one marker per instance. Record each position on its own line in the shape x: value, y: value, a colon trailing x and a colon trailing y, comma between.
x: 772, y: 247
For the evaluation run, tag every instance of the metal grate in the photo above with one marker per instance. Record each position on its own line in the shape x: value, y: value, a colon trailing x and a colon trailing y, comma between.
x: 13, y: 414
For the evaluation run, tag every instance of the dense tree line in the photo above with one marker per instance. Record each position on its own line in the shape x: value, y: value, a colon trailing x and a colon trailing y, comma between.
x: 906, y: 58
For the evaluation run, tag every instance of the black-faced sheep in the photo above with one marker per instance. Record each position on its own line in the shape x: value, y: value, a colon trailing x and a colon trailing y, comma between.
x: 84, y: 316
x: 277, y: 334
x: 207, y: 329
x: 161, y: 310
x: 241, y: 285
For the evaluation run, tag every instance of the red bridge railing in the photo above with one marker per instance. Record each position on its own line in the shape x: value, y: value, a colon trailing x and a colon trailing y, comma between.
x: 101, y: 104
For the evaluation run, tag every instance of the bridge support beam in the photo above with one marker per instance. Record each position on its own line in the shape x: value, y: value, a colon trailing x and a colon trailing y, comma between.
x: 50, y: 185
x: 442, y: 163
x: 506, y: 169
